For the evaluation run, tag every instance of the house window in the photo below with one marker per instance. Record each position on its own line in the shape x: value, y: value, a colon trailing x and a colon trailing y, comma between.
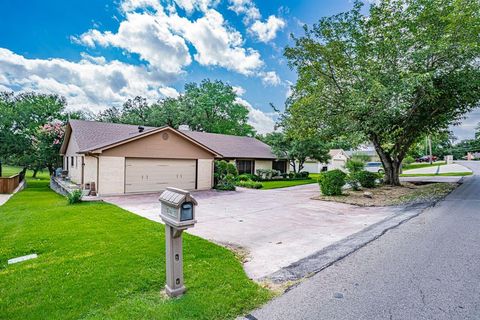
x: 245, y: 166
x: 280, y: 165
x: 71, y: 161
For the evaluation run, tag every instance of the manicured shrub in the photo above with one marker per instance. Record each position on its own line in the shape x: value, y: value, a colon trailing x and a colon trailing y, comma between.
x: 244, y: 177
x: 250, y: 184
x: 352, y: 180
x: 74, y: 197
x: 331, y: 182
x: 366, y: 178
x: 355, y: 165
x: 225, y: 175
x: 304, y: 174
x: 408, y: 160
x: 267, y: 174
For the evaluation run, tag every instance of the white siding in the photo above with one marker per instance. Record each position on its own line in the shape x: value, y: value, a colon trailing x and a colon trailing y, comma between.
x: 111, y: 175
x: 205, y: 174
x: 75, y: 170
x: 263, y: 164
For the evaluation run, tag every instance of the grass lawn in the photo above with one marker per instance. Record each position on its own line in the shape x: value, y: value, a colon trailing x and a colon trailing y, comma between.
x: 446, y: 174
x: 417, y: 165
x: 289, y: 183
x: 8, y: 171
x: 97, y: 261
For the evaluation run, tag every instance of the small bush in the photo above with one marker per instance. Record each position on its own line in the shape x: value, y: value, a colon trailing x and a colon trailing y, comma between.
x: 366, y: 178
x: 352, y: 180
x: 244, y: 177
x: 331, y: 182
x: 225, y: 175
x: 250, y: 184
x: 267, y: 174
x: 303, y: 174
x: 408, y: 160
x: 75, y: 196
x: 355, y: 165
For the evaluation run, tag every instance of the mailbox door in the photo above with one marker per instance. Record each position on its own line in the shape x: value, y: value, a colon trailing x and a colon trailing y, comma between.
x: 186, y: 211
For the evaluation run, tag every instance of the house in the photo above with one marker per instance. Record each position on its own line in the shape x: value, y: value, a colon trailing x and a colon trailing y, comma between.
x: 123, y: 159
x: 338, y: 160
x: 368, y: 152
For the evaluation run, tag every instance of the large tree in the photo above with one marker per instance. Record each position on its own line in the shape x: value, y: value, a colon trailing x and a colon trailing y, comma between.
x: 408, y: 68
x: 212, y: 106
x: 22, y: 117
x: 297, y: 150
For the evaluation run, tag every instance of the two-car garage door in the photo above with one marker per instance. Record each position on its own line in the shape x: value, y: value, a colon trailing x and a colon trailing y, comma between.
x: 150, y: 175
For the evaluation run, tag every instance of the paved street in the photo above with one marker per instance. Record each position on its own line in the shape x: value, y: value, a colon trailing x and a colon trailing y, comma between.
x: 427, y: 268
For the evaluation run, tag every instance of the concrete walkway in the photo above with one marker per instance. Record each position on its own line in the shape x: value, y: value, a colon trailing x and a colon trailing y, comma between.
x: 276, y: 227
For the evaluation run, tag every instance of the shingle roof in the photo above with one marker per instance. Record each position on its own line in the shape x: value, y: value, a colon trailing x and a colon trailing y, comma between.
x: 91, y: 135
x: 233, y: 146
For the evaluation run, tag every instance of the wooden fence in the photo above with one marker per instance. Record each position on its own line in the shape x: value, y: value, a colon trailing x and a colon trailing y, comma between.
x: 8, y: 185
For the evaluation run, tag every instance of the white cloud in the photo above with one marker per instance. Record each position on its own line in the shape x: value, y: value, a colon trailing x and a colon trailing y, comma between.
x: 217, y: 44
x: 132, y: 5
x: 85, y: 83
x: 160, y: 38
x: 149, y: 36
x: 191, y: 5
x: 267, y: 31
x: 246, y: 7
x: 169, y: 92
x: 261, y: 121
x: 270, y: 78
x: 239, y: 90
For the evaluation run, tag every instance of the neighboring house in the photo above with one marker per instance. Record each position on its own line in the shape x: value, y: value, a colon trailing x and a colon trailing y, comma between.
x: 338, y: 160
x: 370, y: 152
x: 122, y: 159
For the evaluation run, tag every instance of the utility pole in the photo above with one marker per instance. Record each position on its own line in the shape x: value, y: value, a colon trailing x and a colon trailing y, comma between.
x: 430, y: 149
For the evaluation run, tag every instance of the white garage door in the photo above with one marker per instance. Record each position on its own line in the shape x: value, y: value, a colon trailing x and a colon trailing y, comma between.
x: 149, y: 175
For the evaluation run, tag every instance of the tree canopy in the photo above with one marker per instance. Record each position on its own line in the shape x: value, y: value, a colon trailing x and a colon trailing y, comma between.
x: 408, y: 68
x: 210, y: 106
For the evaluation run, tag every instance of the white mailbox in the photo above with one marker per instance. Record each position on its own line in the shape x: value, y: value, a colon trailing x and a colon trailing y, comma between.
x: 178, y: 213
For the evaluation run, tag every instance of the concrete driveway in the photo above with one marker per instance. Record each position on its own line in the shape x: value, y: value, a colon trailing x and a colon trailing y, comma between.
x: 277, y: 227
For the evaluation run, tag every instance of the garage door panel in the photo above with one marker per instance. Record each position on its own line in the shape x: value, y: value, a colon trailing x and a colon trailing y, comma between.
x: 150, y: 175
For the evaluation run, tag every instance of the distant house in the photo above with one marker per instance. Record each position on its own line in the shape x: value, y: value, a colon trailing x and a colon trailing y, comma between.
x: 369, y: 152
x: 338, y: 160
x: 123, y: 159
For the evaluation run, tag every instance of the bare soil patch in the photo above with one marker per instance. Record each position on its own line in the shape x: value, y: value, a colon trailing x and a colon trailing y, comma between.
x: 381, y: 196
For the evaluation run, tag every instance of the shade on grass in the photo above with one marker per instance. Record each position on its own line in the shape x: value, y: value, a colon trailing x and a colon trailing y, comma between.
x: 98, y: 261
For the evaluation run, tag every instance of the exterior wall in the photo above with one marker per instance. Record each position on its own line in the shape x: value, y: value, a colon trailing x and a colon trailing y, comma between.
x: 263, y: 164
x: 155, y: 146
x: 111, y: 178
x: 90, y: 170
x: 205, y: 174
x: 312, y: 167
x: 75, y: 170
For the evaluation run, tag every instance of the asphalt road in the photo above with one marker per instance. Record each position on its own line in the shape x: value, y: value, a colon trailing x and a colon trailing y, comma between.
x: 427, y: 268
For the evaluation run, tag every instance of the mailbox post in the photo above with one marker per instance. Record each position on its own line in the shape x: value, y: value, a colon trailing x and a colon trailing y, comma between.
x: 178, y: 213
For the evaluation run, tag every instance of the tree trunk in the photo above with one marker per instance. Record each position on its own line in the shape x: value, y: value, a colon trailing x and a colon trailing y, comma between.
x: 391, y: 166
x: 293, y: 165
x: 34, y: 173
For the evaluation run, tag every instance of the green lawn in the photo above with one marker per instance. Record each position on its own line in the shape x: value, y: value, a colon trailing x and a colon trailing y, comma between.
x: 8, y: 171
x: 447, y: 174
x: 417, y: 165
x: 97, y: 261
x: 286, y: 183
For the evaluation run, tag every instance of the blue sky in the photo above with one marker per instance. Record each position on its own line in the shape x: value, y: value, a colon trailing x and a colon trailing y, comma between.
x: 100, y: 53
